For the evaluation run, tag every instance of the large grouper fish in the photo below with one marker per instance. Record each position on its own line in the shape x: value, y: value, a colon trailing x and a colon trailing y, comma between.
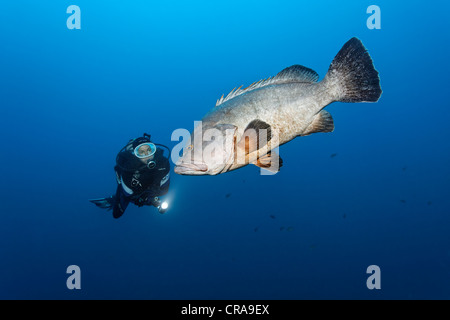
x: 248, y: 124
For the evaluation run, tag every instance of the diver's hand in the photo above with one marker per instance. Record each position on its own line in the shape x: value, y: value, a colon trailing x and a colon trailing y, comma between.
x: 163, y: 207
x: 156, y: 202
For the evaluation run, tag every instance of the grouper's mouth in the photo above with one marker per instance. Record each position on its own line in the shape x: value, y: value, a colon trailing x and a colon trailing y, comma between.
x: 190, y: 168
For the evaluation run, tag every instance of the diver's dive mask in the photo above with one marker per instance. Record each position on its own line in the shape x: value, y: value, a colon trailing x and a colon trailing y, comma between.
x: 146, y: 150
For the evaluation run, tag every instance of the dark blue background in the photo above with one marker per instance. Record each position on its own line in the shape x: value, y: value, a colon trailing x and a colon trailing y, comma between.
x: 70, y: 99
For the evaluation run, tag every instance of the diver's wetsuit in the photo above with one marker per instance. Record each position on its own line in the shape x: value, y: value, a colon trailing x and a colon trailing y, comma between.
x: 138, y: 183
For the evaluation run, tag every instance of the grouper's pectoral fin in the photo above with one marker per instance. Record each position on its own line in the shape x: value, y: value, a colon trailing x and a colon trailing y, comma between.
x: 257, y: 134
x: 322, y: 122
x: 271, y: 161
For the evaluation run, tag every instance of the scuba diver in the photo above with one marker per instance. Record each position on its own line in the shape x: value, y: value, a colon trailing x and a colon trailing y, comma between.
x: 142, y: 172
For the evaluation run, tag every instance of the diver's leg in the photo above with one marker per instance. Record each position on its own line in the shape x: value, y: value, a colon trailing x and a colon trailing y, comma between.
x: 121, y: 202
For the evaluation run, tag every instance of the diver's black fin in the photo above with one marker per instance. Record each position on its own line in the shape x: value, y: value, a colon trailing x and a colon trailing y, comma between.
x: 104, y: 203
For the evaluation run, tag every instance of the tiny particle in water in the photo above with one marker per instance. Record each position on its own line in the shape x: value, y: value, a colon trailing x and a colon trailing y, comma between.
x: 403, y: 201
x: 429, y: 203
x: 313, y: 246
x: 333, y: 155
x: 256, y: 229
x: 228, y: 195
x: 344, y: 216
x: 404, y: 168
x: 290, y: 229
x: 281, y: 228
x: 272, y: 216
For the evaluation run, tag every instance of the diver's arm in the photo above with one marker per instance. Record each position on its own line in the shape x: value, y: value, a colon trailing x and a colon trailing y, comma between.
x: 164, y: 176
x: 164, y: 188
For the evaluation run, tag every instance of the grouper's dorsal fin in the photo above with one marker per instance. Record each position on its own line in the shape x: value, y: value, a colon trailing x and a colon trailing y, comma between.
x: 295, y: 73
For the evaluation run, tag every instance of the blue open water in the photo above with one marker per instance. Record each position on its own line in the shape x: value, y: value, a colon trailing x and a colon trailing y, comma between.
x: 70, y: 100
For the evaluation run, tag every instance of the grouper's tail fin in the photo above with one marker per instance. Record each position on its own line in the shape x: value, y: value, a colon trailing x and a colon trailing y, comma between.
x: 352, y: 76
